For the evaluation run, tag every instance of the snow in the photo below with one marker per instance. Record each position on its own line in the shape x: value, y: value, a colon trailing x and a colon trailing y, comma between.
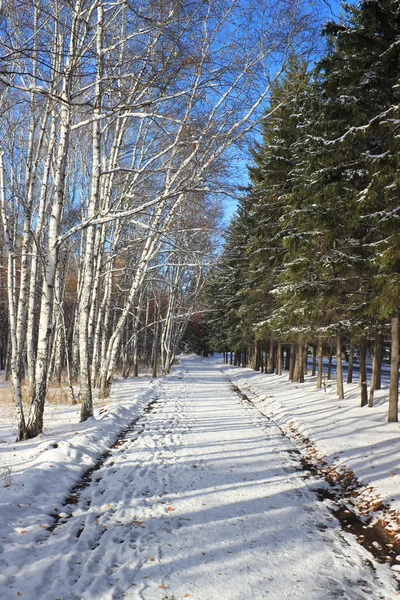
x: 203, y: 498
x: 346, y: 435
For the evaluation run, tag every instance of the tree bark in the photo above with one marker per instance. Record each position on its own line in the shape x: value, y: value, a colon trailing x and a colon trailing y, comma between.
x: 296, y: 364
x: 89, y: 280
x: 12, y: 311
x: 376, y: 368
x: 34, y: 424
x: 351, y: 359
x: 300, y: 354
x: 329, y: 374
x: 339, y: 371
x: 292, y: 361
x: 258, y: 358
x: 320, y: 351
x: 280, y: 359
x: 305, y: 356
x: 394, y: 372
x: 363, y: 372
x: 314, y: 360
x: 271, y: 358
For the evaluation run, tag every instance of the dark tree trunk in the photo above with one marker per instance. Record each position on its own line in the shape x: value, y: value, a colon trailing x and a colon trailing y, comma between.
x: 314, y: 360
x: 394, y: 373
x: 363, y: 372
x: 320, y: 364
x: 271, y: 358
x: 329, y: 365
x: 305, y: 356
x: 350, y: 367
x: 300, y: 353
x: 378, y: 382
x: 258, y: 360
x: 292, y: 361
x: 339, y: 372
x: 376, y: 369
x: 296, y: 364
x: 280, y: 359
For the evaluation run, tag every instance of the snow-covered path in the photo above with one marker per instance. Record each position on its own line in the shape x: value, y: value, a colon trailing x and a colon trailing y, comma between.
x: 205, y: 499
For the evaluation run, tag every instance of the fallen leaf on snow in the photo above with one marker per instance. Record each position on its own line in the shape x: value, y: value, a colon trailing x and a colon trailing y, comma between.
x: 170, y: 508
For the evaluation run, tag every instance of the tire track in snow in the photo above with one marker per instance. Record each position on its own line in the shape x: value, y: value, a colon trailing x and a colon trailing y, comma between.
x: 105, y: 508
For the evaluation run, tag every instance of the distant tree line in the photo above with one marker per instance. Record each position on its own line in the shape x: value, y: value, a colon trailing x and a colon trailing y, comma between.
x: 312, y: 257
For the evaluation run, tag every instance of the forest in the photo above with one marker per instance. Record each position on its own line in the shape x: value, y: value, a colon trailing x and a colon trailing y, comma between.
x: 311, y: 260
x: 118, y: 122
x: 122, y: 126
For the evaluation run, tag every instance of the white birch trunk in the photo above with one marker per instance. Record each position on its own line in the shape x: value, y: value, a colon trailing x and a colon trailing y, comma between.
x: 15, y: 375
x: 85, y: 336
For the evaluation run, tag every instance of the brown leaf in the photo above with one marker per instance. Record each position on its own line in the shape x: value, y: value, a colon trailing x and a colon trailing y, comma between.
x: 170, y: 508
x: 23, y: 531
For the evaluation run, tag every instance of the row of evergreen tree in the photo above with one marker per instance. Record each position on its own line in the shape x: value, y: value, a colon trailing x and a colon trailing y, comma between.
x: 312, y: 256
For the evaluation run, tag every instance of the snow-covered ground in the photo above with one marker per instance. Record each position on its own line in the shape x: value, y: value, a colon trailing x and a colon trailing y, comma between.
x: 202, y: 498
x: 345, y: 435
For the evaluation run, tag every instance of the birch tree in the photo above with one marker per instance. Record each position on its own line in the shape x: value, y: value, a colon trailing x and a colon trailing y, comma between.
x: 126, y: 111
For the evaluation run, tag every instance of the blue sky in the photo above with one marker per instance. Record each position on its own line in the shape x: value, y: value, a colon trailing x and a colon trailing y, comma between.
x: 330, y: 11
